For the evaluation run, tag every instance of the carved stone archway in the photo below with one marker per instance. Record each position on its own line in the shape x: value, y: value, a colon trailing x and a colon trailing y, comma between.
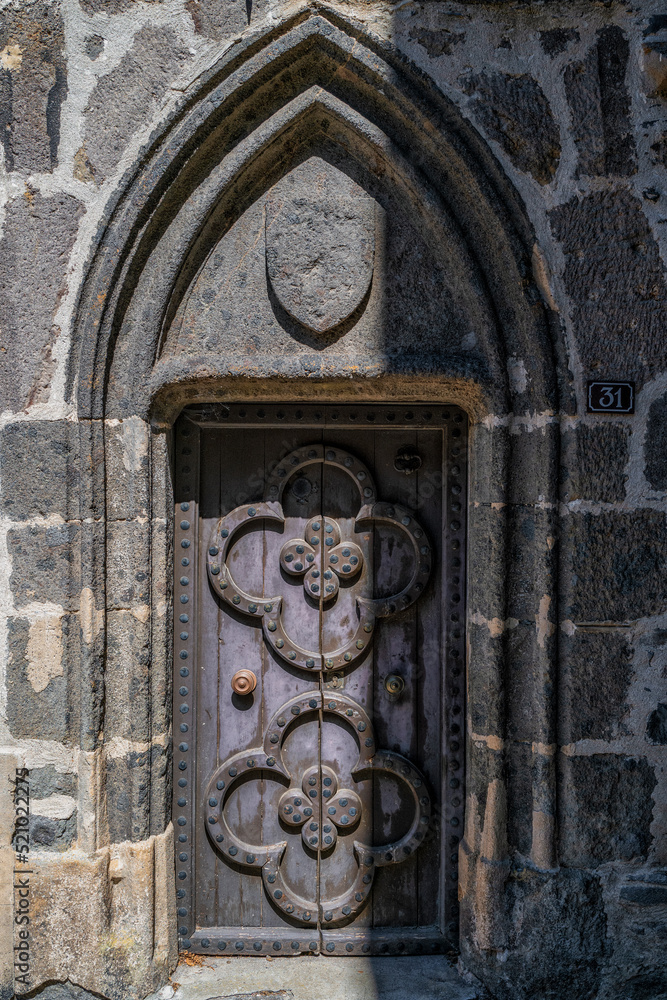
x: 319, y: 85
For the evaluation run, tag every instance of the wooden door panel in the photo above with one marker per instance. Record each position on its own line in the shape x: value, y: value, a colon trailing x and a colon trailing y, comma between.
x: 294, y: 494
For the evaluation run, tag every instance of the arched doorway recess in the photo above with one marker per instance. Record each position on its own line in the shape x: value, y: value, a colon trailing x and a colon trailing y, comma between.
x: 319, y: 88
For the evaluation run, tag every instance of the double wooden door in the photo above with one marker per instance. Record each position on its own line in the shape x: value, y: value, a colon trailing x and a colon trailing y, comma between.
x: 318, y: 678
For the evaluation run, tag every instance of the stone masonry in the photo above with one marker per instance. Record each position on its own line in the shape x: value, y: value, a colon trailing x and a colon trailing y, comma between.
x: 517, y: 153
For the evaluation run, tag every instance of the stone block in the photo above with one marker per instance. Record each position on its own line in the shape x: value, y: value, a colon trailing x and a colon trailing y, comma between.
x: 616, y: 565
x: 35, y: 74
x: 593, y: 461
x: 223, y: 18
x: 128, y: 564
x: 43, y: 470
x: 615, y: 278
x: 128, y: 475
x: 656, y: 727
x: 595, y: 674
x: 127, y: 676
x: 53, y: 563
x: 655, y: 444
x: 514, y: 111
x: 32, y: 283
x: 128, y: 787
x: 42, y: 678
x: 606, y: 808
x: 126, y: 98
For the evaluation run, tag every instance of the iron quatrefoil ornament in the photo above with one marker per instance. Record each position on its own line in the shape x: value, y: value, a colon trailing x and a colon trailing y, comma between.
x: 345, y: 804
x: 321, y: 556
x: 313, y: 803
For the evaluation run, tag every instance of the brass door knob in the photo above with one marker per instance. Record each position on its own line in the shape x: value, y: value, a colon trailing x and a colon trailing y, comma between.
x: 244, y: 682
x: 394, y: 684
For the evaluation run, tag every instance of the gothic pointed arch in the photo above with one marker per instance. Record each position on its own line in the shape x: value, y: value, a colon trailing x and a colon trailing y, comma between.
x: 320, y: 86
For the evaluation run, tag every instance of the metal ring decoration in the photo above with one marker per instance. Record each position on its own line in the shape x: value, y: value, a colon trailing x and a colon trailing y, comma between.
x: 343, y: 810
x: 321, y: 557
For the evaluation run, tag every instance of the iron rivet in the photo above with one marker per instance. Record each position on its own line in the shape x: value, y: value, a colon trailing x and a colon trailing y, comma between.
x: 219, y: 838
x: 224, y: 532
x: 233, y: 851
x: 280, y: 643
x: 361, y: 726
x: 270, y: 761
x: 185, y: 506
x: 252, y: 608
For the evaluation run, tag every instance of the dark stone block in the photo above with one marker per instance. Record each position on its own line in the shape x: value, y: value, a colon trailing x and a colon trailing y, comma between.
x: 48, y: 834
x: 63, y: 991
x: 32, y: 282
x: 655, y: 444
x: 42, y: 471
x: 127, y: 677
x: 42, y: 675
x: 439, y: 42
x: 221, y: 19
x: 128, y: 562
x: 125, y: 98
x: 595, y: 675
x: 514, y: 111
x: 606, y: 809
x: 557, y: 40
x: 35, y: 85
x: 615, y: 277
x: 129, y: 791
x: 600, y: 107
x: 46, y: 564
x: 656, y: 727
x: 618, y: 565
x: 593, y: 461
x: 613, y: 51
x: 45, y: 781
x: 645, y: 895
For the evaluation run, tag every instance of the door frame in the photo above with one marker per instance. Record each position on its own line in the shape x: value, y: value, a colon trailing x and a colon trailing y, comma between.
x: 449, y: 817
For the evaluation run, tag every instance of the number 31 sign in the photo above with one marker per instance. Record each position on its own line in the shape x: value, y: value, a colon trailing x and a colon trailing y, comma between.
x: 611, y: 397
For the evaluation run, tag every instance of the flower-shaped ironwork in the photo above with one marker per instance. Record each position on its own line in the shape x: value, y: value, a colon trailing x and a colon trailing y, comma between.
x: 321, y: 558
x: 344, y: 560
x: 320, y: 804
x: 319, y: 808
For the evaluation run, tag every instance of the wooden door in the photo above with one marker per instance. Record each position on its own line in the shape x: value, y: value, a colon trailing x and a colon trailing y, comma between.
x: 318, y: 689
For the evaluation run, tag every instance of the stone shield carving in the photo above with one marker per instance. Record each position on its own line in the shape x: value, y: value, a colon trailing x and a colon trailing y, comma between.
x: 320, y: 244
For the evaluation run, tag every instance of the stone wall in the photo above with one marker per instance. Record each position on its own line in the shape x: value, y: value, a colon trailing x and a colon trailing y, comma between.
x: 569, y: 99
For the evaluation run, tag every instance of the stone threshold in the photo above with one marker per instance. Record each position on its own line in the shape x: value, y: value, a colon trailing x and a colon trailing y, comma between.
x: 310, y: 977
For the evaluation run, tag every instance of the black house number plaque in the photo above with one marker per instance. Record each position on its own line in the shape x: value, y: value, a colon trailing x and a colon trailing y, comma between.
x: 611, y: 397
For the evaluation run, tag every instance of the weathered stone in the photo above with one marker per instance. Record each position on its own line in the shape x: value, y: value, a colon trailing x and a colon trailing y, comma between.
x: 127, y: 677
x: 514, y: 111
x: 593, y: 462
x: 47, y: 834
x: 655, y: 444
x: 129, y: 792
x: 656, y: 727
x: 320, y: 244
x: 128, y: 582
x: 45, y: 781
x: 600, y: 106
x: 127, y: 466
x: 556, y: 40
x: 596, y: 671
x: 645, y: 895
x: 615, y: 277
x: 42, y: 679
x: 125, y: 98
x: 46, y: 564
x: 618, y: 565
x: 223, y: 18
x: 35, y: 77
x: 606, y: 809
x: 46, y: 467
x: 438, y: 41
x: 31, y: 285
